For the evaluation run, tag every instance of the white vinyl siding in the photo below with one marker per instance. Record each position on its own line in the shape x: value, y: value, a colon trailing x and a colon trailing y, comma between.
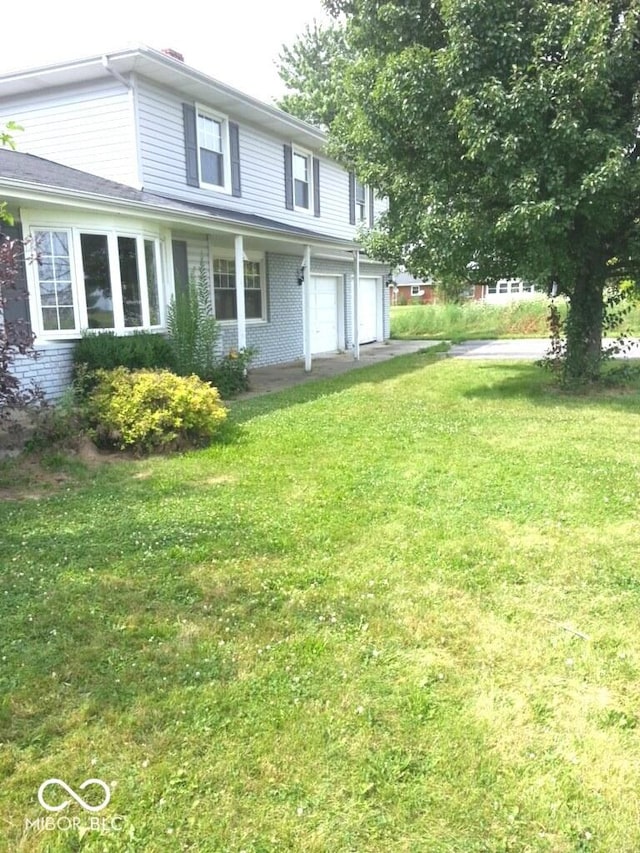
x: 262, y: 167
x: 71, y: 128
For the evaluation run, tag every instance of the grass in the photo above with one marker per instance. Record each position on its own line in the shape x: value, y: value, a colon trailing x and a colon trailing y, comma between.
x: 398, y: 611
x: 479, y: 321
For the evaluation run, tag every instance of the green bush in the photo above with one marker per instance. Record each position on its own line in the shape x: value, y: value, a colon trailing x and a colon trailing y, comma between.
x: 146, y: 410
x: 231, y: 372
x: 105, y: 351
x: 193, y: 330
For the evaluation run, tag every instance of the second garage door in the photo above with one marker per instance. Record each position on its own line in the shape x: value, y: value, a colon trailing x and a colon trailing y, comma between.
x: 368, y: 310
x: 324, y: 293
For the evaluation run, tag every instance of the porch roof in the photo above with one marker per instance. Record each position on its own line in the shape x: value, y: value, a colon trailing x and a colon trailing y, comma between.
x: 28, y: 178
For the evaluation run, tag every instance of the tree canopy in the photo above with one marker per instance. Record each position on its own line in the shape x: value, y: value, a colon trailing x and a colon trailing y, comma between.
x: 505, y: 134
x: 312, y: 69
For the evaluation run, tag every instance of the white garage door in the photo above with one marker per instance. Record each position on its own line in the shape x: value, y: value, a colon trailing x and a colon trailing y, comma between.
x: 368, y: 310
x: 324, y: 293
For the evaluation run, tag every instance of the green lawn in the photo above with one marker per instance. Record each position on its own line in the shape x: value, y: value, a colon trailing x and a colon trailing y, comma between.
x: 396, y: 611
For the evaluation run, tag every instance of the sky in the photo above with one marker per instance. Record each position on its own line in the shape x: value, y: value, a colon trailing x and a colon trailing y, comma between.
x: 235, y: 41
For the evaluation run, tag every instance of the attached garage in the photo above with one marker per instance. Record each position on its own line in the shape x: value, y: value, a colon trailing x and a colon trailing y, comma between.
x: 326, y: 315
x: 370, y: 310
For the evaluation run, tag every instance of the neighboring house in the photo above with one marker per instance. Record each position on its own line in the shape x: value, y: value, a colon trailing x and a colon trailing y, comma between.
x: 509, y: 290
x: 407, y: 290
x: 133, y: 168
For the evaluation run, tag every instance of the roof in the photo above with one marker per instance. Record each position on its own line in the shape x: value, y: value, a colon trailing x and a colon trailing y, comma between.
x: 168, y: 73
x: 23, y: 173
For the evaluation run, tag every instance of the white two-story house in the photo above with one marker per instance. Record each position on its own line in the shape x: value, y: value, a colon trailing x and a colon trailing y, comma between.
x: 132, y: 169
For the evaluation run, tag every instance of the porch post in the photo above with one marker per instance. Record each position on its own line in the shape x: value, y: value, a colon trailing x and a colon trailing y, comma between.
x: 306, y: 308
x: 356, y: 305
x: 242, y: 324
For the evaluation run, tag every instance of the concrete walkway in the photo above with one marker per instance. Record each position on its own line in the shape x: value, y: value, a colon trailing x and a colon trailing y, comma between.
x: 266, y: 380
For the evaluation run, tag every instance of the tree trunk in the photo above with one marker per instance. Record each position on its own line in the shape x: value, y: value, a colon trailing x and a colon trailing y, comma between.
x: 584, y: 328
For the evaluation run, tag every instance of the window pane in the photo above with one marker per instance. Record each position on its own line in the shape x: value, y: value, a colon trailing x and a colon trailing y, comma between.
x: 360, y: 193
x: 53, y: 271
x: 253, y: 304
x: 50, y: 319
x: 130, y: 281
x: 97, y: 280
x: 224, y: 273
x: 152, y: 282
x: 301, y: 194
x: 211, y: 166
x: 209, y: 133
x: 252, y: 275
x: 301, y: 168
x: 60, y: 243
x: 67, y: 320
x: 48, y: 293
x: 225, y: 304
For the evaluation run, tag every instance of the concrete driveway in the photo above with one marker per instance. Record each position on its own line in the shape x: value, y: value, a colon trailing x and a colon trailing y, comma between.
x: 530, y: 349
x: 527, y: 348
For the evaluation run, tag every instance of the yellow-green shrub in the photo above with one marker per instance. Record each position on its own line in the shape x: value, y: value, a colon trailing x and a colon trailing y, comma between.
x: 154, y: 410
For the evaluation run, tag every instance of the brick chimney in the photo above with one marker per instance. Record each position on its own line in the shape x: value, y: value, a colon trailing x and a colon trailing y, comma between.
x: 174, y: 54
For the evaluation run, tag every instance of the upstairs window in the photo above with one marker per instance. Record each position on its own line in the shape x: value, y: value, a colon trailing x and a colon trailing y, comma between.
x: 211, y: 150
x: 361, y: 202
x: 301, y: 180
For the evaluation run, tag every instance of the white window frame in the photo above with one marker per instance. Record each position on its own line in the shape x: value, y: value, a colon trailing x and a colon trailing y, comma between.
x: 364, y: 205
x: 308, y: 155
x: 226, y: 151
x: 33, y: 221
x: 255, y: 257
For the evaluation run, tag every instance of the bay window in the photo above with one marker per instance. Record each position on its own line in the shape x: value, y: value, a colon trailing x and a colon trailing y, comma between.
x: 94, y: 279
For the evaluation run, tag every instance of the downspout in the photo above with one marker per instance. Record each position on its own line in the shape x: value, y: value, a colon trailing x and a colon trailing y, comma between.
x: 133, y: 101
x: 118, y: 76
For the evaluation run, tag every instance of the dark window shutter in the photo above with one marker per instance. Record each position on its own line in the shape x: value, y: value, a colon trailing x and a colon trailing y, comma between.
x: 191, y: 144
x: 371, y: 215
x: 288, y: 177
x: 180, y: 265
x: 352, y: 198
x: 234, y: 152
x: 316, y: 186
x: 16, y: 298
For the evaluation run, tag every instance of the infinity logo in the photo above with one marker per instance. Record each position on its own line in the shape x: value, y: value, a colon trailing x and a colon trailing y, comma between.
x: 79, y: 800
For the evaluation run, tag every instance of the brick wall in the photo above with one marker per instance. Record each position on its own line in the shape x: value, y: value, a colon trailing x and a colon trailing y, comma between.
x: 51, y: 371
x: 280, y: 339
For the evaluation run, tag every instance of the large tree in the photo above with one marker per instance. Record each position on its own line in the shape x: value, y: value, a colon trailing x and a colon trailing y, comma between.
x: 505, y: 133
x: 313, y: 69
